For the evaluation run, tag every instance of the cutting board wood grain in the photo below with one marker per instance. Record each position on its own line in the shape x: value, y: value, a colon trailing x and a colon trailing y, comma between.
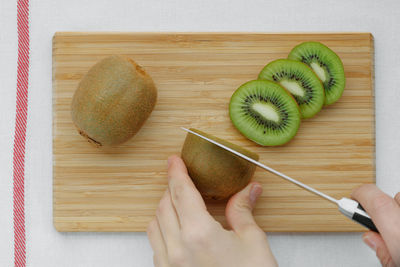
x: 118, y: 189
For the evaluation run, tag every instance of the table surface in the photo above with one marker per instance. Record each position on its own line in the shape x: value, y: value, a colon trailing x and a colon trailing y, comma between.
x: 46, y: 246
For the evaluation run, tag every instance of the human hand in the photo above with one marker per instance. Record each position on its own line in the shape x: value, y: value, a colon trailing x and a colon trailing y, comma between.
x: 385, y: 213
x: 184, y: 234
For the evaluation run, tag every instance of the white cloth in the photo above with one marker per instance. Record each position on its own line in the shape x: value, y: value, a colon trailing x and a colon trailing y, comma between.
x: 46, y: 246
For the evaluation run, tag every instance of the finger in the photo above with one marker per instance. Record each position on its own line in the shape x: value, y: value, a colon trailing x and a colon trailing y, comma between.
x: 157, y: 244
x: 239, y: 210
x: 385, y: 213
x: 188, y: 203
x: 168, y: 221
x: 375, y: 242
x: 397, y: 198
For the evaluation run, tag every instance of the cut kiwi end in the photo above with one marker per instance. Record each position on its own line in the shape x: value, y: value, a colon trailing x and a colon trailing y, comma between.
x: 300, y: 81
x: 215, y: 172
x: 265, y: 113
x: 326, y: 64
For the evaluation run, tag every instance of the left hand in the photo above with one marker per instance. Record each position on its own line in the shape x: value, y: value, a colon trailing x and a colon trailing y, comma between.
x: 185, y: 234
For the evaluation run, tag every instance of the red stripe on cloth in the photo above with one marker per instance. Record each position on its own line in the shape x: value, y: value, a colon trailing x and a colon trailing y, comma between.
x: 20, y: 133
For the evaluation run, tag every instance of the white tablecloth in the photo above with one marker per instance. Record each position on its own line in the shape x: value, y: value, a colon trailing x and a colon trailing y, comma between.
x: 46, y: 246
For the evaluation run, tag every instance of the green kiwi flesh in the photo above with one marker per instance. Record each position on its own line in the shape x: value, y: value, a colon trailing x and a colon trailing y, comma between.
x: 326, y: 64
x: 300, y: 81
x: 216, y: 172
x: 265, y: 112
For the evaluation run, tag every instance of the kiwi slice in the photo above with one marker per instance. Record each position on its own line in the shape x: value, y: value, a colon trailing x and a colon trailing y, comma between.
x: 265, y: 112
x: 326, y: 64
x: 300, y: 81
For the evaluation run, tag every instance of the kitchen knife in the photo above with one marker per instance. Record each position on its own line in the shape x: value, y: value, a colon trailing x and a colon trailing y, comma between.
x: 348, y: 207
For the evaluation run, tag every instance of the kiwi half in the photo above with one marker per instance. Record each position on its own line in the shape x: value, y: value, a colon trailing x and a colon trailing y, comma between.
x: 326, y: 64
x: 216, y: 172
x: 300, y: 81
x: 265, y: 112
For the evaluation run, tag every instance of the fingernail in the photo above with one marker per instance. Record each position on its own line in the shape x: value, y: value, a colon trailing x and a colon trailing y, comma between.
x: 255, y: 192
x: 368, y: 240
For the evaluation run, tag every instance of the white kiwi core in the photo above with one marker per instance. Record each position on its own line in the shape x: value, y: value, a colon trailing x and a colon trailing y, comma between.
x: 319, y: 71
x: 268, y: 111
x: 293, y: 87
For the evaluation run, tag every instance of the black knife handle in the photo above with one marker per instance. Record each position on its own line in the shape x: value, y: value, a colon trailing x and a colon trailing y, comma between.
x: 367, y: 222
x: 353, y: 210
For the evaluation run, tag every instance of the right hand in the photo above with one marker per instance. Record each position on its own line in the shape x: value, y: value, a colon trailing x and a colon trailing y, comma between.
x: 385, y: 213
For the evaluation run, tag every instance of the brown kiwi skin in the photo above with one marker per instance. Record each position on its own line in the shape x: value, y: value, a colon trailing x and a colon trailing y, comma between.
x: 216, y: 172
x: 112, y: 101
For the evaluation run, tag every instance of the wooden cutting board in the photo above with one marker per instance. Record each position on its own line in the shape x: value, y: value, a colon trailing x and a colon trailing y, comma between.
x: 196, y: 73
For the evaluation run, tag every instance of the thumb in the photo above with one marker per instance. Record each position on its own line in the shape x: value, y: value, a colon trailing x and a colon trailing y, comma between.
x: 375, y: 241
x: 239, y: 209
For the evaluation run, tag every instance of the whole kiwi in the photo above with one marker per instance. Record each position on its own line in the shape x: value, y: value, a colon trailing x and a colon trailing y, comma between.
x: 112, y: 101
x: 216, y: 172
